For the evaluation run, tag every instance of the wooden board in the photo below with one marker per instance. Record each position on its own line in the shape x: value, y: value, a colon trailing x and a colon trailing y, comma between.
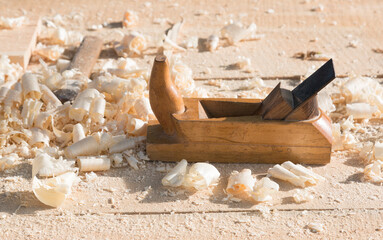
x: 87, y: 55
x: 19, y: 43
x: 138, y: 215
x: 240, y: 139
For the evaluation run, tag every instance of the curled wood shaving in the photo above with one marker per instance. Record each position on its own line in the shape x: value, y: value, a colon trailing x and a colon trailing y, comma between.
x: 10, y: 23
x: 199, y: 176
x: 296, y: 174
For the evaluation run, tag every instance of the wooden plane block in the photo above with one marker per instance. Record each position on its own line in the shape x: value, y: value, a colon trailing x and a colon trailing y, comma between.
x: 307, y: 110
x: 277, y: 104
x: 87, y: 55
x: 229, y: 108
x: 19, y: 43
x: 239, y: 139
x: 235, y: 153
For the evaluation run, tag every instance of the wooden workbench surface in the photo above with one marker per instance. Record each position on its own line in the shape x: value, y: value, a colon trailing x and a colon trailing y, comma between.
x: 348, y: 207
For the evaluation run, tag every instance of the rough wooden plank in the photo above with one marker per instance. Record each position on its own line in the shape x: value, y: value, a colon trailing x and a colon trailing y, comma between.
x: 87, y: 55
x: 252, y: 224
x: 19, y: 43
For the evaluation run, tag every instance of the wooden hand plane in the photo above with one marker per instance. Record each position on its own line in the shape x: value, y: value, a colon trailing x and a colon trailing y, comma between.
x: 285, y: 126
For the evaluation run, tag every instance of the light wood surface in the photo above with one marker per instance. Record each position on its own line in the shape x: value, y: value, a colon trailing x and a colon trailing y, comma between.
x: 19, y: 43
x: 348, y: 207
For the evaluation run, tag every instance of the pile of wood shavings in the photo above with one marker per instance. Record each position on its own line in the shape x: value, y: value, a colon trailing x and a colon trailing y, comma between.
x: 358, y: 108
x: 107, y: 119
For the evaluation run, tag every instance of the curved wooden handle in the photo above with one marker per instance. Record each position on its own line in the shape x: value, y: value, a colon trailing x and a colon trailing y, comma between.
x: 163, y: 95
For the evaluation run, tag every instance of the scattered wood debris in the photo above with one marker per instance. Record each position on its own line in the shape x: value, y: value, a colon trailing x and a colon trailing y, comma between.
x: 48, y: 53
x: 8, y: 161
x: 361, y: 110
x: 130, y: 19
x: 235, y: 32
x: 301, y: 196
x: 243, y: 63
x: 212, y: 42
x: 377, y: 50
x: 353, y: 43
x: 10, y: 23
x: 318, y: 8
x: 315, y: 227
x: 170, y: 38
x: 373, y: 172
x: 100, y: 125
x: 312, y: 56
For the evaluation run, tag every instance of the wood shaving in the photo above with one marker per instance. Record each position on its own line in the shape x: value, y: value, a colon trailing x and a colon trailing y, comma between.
x: 235, y: 32
x: 301, y: 196
x: 54, y: 191
x: 325, y: 102
x: 49, y: 53
x: 132, y: 44
x: 377, y: 50
x: 46, y: 166
x: 361, y: 110
x: 367, y: 152
x: 353, y: 43
x: 182, y: 77
x: 315, y: 227
x: 212, y: 42
x: 264, y: 189
x: 296, y: 174
x: 90, y: 177
x: 175, y: 177
x: 191, y: 42
x: 170, y: 38
x: 318, y: 8
x: 10, y: 23
x: 199, y: 176
x: 93, y: 163
x: 130, y: 19
x: 8, y: 161
x: 9, y: 73
x: 373, y: 172
x: 243, y: 63
x: 240, y: 182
